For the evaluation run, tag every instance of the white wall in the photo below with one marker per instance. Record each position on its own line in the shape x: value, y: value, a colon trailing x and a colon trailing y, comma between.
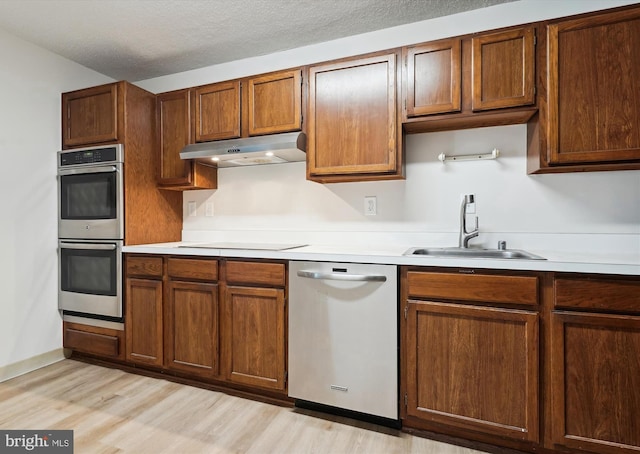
x: 31, y: 81
x: 277, y: 203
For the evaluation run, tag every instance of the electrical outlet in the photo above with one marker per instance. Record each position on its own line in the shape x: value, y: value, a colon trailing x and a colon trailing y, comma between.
x: 370, y: 205
x: 192, y: 208
x: 208, y: 209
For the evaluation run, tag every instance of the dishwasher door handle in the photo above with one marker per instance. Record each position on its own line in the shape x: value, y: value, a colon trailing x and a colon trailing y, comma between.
x: 342, y: 276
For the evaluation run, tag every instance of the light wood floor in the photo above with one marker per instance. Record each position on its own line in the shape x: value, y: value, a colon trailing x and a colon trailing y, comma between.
x: 112, y: 411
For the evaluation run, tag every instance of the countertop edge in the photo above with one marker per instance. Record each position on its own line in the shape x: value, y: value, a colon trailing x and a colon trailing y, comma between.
x: 394, y: 258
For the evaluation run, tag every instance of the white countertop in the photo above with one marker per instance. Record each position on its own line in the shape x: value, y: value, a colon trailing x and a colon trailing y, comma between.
x: 627, y: 264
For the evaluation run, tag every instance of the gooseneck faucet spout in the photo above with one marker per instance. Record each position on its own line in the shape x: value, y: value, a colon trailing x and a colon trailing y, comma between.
x: 466, y: 235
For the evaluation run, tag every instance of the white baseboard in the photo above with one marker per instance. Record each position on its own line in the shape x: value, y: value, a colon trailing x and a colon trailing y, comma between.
x: 30, y: 364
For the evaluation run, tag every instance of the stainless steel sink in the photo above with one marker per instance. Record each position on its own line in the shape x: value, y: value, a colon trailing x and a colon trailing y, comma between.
x: 453, y: 252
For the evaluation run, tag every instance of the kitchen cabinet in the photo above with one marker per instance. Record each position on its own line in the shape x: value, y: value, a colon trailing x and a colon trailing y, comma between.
x: 353, y: 120
x: 589, y: 117
x: 595, y: 363
x: 174, y: 132
x: 263, y: 104
x: 143, y: 315
x: 191, y: 316
x: 470, y: 359
x: 123, y: 113
x: 479, y: 80
x: 106, y: 343
x: 254, y: 320
x: 91, y: 117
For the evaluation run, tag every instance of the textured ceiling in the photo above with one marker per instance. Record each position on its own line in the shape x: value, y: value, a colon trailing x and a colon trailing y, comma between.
x: 141, y: 39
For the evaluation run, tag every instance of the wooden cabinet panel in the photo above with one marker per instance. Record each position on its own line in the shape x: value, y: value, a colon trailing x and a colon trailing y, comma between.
x: 104, y: 342
x: 255, y: 336
x: 192, y: 328
x: 272, y: 274
x: 275, y: 103
x: 149, y: 266
x: 217, y: 111
x: 595, y: 370
x: 434, y: 77
x: 601, y: 293
x: 473, y: 367
x: 90, y: 116
x: 143, y: 326
x: 474, y: 287
x: 173, y: 110
x: 192, y: 269
x: 503, y: 69
x: 353, y: 120
x: 593, y: 92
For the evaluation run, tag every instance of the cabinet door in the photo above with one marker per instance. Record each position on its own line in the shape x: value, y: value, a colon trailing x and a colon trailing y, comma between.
x: 594, y: 91
x: 173, y: 111
x: 255, y: 336
x: 143, y: 321
x: 434, y: 78
x: 217, y: 111
x: 275, y: 103
x: 595, y: 370
x: 503, y: 69
x: 90, y: 116
x: 473, y: 367
x: 352, y: 120
x: 192, y: 328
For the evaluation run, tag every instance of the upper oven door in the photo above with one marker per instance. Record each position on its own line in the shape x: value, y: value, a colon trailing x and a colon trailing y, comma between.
x: 90, y: 202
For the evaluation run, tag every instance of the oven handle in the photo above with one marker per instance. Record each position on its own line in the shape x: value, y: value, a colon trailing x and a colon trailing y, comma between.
x: 92, y: 246
x: 101, y: 169
x: 342, y: 277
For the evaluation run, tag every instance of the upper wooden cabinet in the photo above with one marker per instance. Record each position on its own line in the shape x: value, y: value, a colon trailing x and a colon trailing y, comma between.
x: 591, y: 117
x: 91, y: 116
x: 174, y: 132
x: 274, y: 103
x: 471, y: 81
x: 217, y: 111
x: 434, y: 78
x: 503, y: 69
x: 265, y: 104
x: 353, y: 118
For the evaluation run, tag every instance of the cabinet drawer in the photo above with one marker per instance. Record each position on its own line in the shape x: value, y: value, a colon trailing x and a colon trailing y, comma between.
x: 144, y: 266
x: 256, y: 273
x: 193, y: 269
x: 474, y: 287
x: 596, y: 293
x: 94, y: 340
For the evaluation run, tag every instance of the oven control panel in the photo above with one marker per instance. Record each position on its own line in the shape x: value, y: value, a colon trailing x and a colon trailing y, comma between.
x: 89, y: 156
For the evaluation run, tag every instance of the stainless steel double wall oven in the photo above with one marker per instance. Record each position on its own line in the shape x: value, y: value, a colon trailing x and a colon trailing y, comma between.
x: 91, y: 232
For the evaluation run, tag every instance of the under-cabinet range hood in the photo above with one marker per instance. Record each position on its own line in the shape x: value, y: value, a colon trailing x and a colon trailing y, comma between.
x: 250, y: 151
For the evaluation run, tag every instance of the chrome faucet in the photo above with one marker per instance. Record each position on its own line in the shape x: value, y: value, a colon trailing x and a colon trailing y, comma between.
x: 465, y: 235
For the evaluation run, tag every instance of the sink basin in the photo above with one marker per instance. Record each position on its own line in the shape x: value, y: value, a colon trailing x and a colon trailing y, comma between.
x: 474, y: 253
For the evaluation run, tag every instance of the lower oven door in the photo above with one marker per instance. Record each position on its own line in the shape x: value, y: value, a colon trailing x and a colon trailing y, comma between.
x: 90, y: 282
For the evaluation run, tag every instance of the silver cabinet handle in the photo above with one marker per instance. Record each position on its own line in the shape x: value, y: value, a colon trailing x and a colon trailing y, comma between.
x: 342, y: 276
x: 90, y: 246
x: 101, y: 169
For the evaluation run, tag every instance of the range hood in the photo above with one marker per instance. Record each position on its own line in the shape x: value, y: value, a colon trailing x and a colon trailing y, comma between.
x: 250, y: 151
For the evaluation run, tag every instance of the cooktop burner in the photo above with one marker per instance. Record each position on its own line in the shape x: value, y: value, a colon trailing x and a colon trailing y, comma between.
x: 252, y: 246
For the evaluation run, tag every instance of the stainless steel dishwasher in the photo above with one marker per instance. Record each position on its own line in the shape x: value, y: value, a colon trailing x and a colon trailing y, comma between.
x: 343, y: 336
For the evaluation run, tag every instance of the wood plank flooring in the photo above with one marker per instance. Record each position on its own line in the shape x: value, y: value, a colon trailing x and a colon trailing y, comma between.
x: 112, y: 411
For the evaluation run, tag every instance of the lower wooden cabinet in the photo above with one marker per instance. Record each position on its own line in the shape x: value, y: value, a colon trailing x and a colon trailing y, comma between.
x: 595, y: 369
x: 473, y: 367
x: 143, y: 321
x: 255, y: 336
x: 103, y: 342
x: 470, y: 354
x: 191, y: 321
